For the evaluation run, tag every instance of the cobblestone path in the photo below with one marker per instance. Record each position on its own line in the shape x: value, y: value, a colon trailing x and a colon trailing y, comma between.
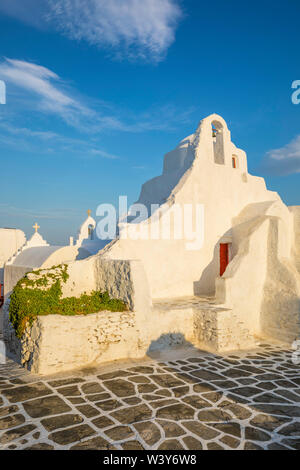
x: 196, y: 401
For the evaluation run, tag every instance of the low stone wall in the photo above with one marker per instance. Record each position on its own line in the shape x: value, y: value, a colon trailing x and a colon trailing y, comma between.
x: 56, y: 343
x: 220, y: 330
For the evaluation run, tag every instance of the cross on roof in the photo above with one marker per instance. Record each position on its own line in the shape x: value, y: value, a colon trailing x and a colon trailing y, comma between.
x: 36, y: 227
x: 89, y: 212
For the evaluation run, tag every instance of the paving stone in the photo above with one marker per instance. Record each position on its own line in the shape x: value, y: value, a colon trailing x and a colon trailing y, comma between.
x: 26, y: 392
x: 133, y: 414
x: 246, y: 381
x: 120, y: 387
x: 267, y: 422
x: 239, y: 411
x: 36, y: 435
x: 166, y: 380
x: 40, y: 446
x: 291, y: 430
x: 91, y: 388
x: 7, y: 410
x: 171, y: 429
x: 252, y: 446
x: 88, y: 411
x: 147, y: 388
x: 213, y: 415
x: 132, y: 445
x: 132, y: 400
x: 114, y: 375
x: 139, y: 379
x: 230, y: 441
x: 254, y: 434
x: 142, y: 370
x: 293, y: 443
x: 171, y: 444
x: 76, y: 400
x: 224, y: 384
x: 285, y: 383
x: 213, y: 397
x: 235, y: 373
x: 180, y: 391
x: 192, y: 444
x: 163, y: 392
x: 188, y: 379
x: 108, y: 405
x: 151, y: 397
x: 196, y: 401
x: 97, y: 443
x: 252, y: 369
x: 11, y: 421
x: 204, y: 387
x: 270, y: 377
x: 67, y: 436
x: 277, y: 446
x: 61, y: 421
x: 269, y: 398
x: 293, y: 397
x: 206, y: 375
x: 176, y: 412
x: 62, y: 382
x: 165, y: 402
x: 282, y: 410
x: 214, y: 446
x: 149, y: 432
x: 14, y: 434
x: 200, y: 430
x: 98, y: 397
x: 102, y: 422
x: 246, y: 391
x: 234, y: 429
x: 41, y: 407
x: 119, y: 433
x: 70, y: 391
x: 267, y: 385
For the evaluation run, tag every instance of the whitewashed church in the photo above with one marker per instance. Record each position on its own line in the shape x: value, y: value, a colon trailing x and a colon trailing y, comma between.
x: 241, y: 283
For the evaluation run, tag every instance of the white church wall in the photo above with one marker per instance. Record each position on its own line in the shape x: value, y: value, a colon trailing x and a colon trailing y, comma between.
x: 11, y: 240
x: 173, y: 270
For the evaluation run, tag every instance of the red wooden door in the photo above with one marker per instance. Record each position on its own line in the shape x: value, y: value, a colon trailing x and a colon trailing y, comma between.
x: 224, y: 257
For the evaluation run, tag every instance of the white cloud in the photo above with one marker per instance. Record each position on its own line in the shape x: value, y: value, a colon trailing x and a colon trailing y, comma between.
x: 41, y: 81
x: 285, y: 160
x: 137, y: 29
x: 43, y: 90
x: 103, y: 154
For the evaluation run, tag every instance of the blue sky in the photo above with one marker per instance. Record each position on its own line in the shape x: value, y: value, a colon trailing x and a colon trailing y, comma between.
x: 98, y: 91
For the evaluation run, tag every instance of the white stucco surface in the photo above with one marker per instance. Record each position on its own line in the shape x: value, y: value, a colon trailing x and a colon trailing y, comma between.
x: 162, y: 278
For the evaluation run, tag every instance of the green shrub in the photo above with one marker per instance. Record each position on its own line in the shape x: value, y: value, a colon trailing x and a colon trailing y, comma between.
x: 39, y: 293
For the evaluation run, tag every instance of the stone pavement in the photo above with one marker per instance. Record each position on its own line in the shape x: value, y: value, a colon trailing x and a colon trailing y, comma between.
x: 193, y: 400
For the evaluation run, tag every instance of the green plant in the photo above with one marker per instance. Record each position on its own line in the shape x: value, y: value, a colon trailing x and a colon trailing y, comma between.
x: 40, y: 293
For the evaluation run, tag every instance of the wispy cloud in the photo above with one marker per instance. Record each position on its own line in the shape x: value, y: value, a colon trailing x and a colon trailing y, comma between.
x: 136, y: 29
x: 283, y: 161
x: 103, y: 154
x: 46, y: 89
x: 46, y: 92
